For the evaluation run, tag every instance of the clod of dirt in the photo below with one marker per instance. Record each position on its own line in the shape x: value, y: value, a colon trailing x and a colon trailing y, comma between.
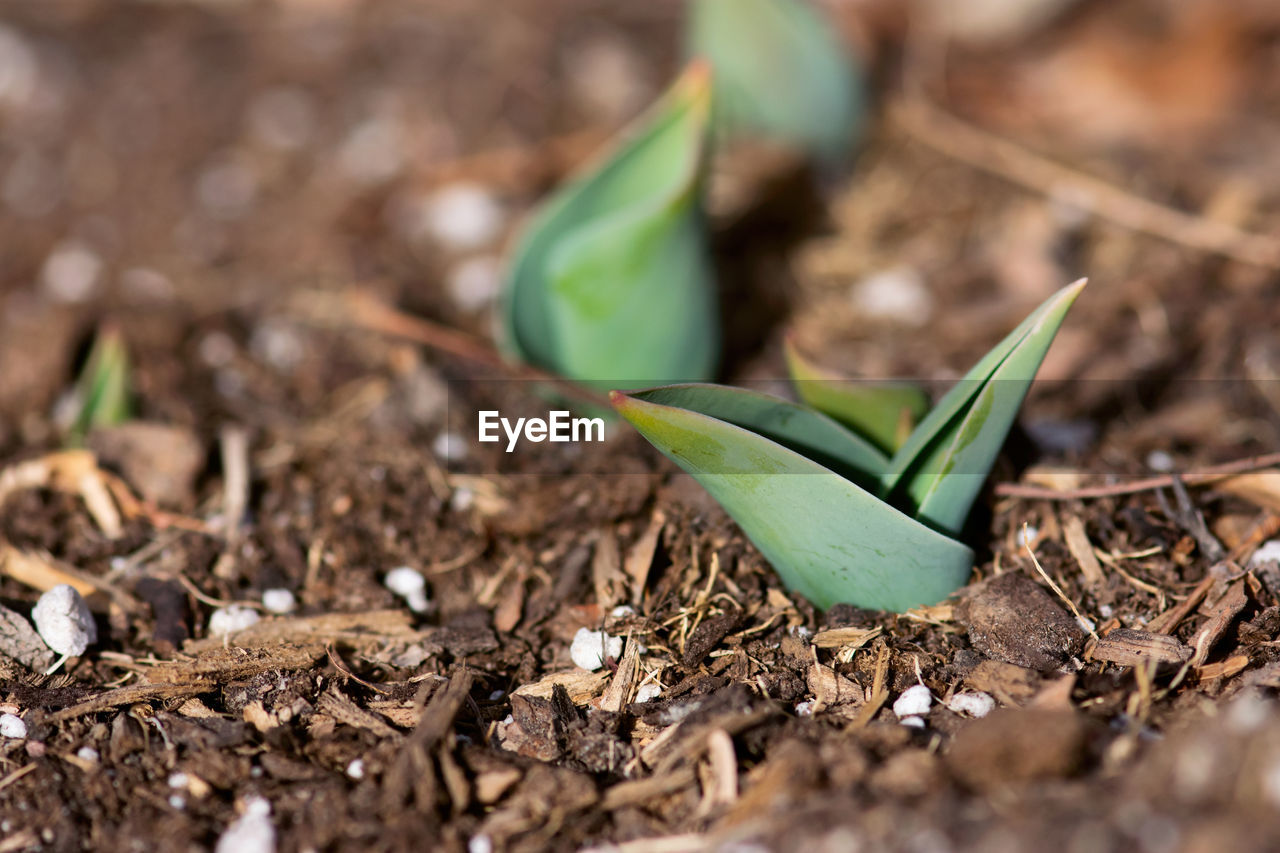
x: 63, y: 619
x: 36, y: 342
x: 1010, y: 747
x: 1218, y: 763
x: 168, y: 600
x: 1011, y: 685
x: 708, y: 635
x: 159, y: 460
x: 20, y: 641
x: 1011, y: 618
x: 909, y: 773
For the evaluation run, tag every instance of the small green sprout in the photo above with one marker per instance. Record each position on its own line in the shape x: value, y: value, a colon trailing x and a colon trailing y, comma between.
x: 613, y: 278
x: 101, y: 394
x: 839, y: 519
x: 781, y: 72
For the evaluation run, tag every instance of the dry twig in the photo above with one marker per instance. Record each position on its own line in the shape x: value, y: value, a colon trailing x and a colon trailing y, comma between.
x: 968, y: 144
x: 1195, y: 477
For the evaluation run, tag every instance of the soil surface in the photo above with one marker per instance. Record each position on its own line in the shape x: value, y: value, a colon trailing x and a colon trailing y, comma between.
x: 265, y: 198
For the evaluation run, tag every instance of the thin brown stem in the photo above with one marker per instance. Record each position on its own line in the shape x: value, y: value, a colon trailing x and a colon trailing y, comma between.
x: 962, y: 141
x: 1195, y: 477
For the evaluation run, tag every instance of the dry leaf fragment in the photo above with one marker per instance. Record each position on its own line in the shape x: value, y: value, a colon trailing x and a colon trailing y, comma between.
x: 492, y: 784
x: 1222, y: 669
x: 20, y: 641
x: 72, y: 471
x: 831, y: 690
x: 1058, y: 479
x: 582, y: 686
x: 619, y: 690
x: 1009, y: 683
x: 376, y: 626
x: 1080, y: 547
x: 640, y: 557
x: 258, y: 716
x: 834, y: 638
x: 43, y: 572
x: 1130, y: 647
x: 606, y: 571
x: 506, y: 616
x: 1261, y: 488
x: 1221, y: 614
x: 344, y: 710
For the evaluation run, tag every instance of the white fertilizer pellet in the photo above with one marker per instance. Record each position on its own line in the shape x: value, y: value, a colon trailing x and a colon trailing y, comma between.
x: 409, y: 584
x: 914, y: 702
x: 1269, y: 552
x: 252, y: 832
x: 279, y: 600
x: 228, y: 620
x: 12, y: 726
x: 590, y: 648
x: 972, y: 704
x: 648, y: 692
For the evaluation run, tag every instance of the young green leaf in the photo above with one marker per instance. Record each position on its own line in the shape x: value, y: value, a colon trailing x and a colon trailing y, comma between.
x: 828, y: 538
x: 781, y: 71
x: 809, y: 433
x: 883, y: 412
x: 941, y: 468
x: 102, y: 389
x: 612, y: 279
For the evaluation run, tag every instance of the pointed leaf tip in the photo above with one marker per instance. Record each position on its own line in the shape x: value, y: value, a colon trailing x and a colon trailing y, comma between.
x: 943, y: 464
x: 612, y: 279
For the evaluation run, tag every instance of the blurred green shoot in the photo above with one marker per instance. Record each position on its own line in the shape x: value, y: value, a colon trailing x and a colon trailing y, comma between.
x: 101, y: 394
x: 839, y: 520
x: 612, y: 281
x: 781, y: 73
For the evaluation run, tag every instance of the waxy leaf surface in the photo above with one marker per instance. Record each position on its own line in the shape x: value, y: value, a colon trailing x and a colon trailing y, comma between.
x: 828, y: 538
x: 612, y: 279
x: 882, y: 412
x: 781, y: 71
x: 808, y: 432
x: 941, y: 468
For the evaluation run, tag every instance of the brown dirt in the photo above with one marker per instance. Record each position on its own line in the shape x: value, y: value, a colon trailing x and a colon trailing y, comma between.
x: 215, y: 159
